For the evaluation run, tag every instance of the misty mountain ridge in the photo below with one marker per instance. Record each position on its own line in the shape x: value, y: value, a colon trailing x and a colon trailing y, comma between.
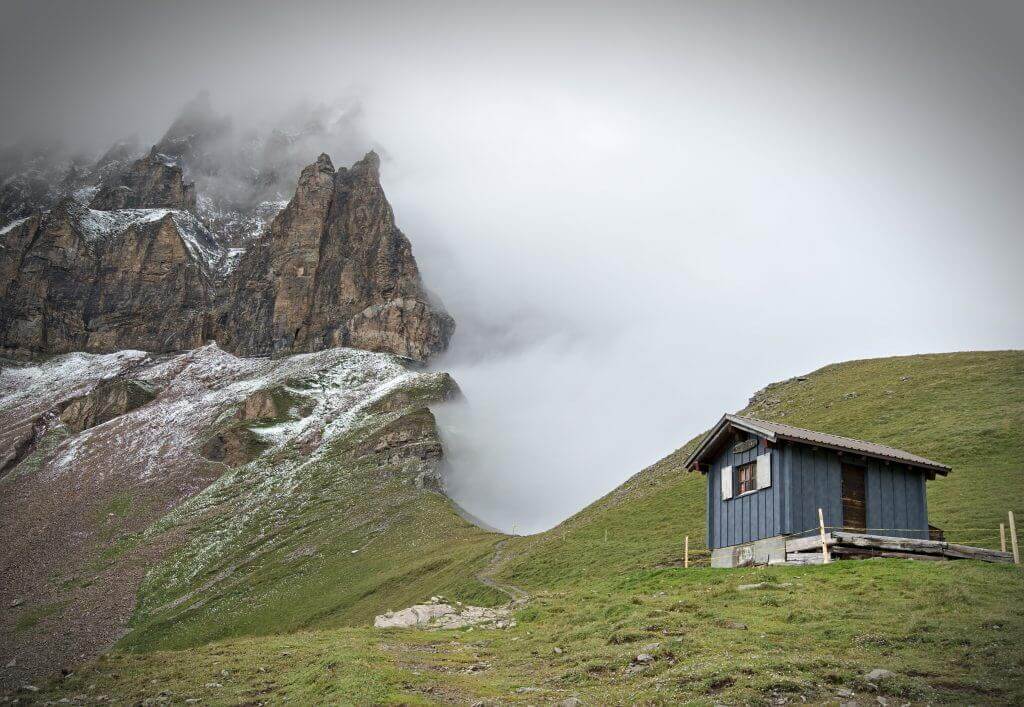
x: 242, y: 175
x: 160, y: 265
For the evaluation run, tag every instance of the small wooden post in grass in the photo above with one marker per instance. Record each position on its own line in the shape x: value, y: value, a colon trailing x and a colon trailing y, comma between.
x: 824, y: 542
x: 1013, y: 541
x: 686, y: 552
x: 1002, y: 537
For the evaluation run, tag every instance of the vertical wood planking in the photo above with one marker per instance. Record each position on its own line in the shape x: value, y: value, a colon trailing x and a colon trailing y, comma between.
x: 884, y: 498
x: 924, y: 503
x: 835, y: 488
x: 793, y: 490
x: 910, y: 499
x: 899, y: 501
x: 807, y: 478
x: 873, y: 499
x: 885, y: 474
x: 710, y: 512
x: 819, y: 479
x: 779, y: 495
x: 713, y: 493
x: 723, y: 517
x: 812, y: 472
x: 913, y: 507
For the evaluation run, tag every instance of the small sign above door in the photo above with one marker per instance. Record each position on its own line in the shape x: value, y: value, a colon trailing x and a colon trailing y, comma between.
x: 744, y: 446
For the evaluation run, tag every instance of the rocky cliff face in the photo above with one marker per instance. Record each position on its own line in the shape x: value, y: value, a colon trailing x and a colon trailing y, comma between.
x: 76, y: 279
x: 140, y: 270
x: 334, y: 270
x: 151, y: 182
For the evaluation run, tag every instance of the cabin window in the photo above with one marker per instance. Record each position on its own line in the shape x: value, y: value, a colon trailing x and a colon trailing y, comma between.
x: 746, y: 478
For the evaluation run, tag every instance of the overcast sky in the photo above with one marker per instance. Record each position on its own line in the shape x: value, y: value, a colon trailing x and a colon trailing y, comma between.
x: 638, y: 214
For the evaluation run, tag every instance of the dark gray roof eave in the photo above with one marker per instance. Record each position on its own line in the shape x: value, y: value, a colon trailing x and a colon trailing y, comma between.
x: 774, y: 431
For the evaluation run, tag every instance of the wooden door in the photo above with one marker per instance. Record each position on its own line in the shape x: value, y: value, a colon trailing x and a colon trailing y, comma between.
x: 855, y: 514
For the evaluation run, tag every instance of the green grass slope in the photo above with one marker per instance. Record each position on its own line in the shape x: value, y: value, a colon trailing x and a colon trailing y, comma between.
x: 326, y: 538
x: 964, y: 409
x: 947, y: 632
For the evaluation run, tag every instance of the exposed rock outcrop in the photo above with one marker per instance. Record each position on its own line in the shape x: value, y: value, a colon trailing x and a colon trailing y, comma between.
x: 105, y: 402
x: 439, y: 614
x: 77, y: 279
x: 409, y: 442
x: 234, y: 446
x: 261, y: 405
x: 152, y: 182
x: 333, y: 270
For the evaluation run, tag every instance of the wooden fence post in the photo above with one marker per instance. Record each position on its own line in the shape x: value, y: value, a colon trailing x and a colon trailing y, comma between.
x: 824, y: 542
x: 1002, y: 537
x: 686, y: 552
x: 1013, y: 541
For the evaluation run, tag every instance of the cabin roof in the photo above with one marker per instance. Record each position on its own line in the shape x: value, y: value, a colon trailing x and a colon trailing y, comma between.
x: 776, y: 431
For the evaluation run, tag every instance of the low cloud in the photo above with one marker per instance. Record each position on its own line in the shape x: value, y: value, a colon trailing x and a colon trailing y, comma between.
x: 637, y: 219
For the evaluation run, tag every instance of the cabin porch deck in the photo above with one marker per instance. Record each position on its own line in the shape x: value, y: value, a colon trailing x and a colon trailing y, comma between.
x: 844, y: 545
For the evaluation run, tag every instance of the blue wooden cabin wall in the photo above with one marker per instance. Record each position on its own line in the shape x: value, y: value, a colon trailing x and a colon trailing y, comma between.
x: 755, y: 515
x: 804, y: 480
x: 895, y: 494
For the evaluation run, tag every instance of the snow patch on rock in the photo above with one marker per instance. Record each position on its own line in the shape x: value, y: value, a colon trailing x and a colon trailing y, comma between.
x: 197, y: 389
x: 60, y: 378
x: 13, y: 225
x: 98, y: 225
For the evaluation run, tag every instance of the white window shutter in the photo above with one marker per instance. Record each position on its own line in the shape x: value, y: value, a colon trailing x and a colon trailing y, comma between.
x: 764, y: 470
x: 726, y: 483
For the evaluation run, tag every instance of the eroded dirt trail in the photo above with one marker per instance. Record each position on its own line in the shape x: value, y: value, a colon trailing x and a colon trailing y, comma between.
x: 488, y: 575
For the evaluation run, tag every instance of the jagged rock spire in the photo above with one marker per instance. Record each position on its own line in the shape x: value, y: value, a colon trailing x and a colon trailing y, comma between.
x: 338, y: 272
x: 150, y: 183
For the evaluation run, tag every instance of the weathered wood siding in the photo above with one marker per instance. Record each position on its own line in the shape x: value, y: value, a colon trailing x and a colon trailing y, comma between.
x: 804, y: 480
x: 752, y: 516
x: 895, y: 494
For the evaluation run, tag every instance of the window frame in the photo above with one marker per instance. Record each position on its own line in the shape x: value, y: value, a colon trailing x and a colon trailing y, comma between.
x: 738, y: 481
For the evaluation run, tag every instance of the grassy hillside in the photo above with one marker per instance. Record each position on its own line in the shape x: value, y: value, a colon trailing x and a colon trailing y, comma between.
x: 295, y: 539
x: 612, y: 618
x: 808, y: 634
x: 964, y: 409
